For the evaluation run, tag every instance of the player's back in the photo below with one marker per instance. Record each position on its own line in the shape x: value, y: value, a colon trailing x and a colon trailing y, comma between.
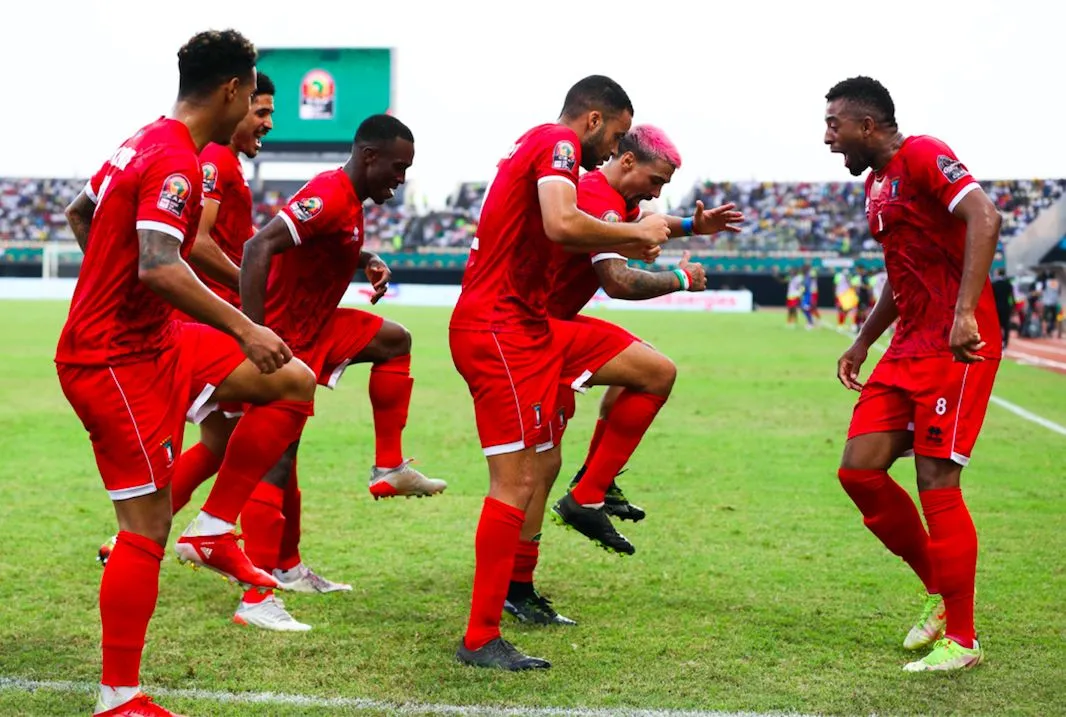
x: 307, y: 282
x: 505, y: 283
x: 572, y: 276
x: 224, y: 182
x: 909, y: 210
x: 152, y: 182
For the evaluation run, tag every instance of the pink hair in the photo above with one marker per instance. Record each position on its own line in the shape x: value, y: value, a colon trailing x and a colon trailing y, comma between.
x: 648, y: 142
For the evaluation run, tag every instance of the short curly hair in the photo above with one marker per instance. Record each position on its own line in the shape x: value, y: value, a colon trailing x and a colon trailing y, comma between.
x: 869, y: 95
x: 212, y: 57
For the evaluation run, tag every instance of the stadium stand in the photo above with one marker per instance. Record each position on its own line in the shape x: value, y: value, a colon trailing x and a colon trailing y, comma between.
x: 804, y: 220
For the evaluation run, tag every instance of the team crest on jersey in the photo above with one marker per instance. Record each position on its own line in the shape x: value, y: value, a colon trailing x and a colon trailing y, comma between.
x: 210, y: 177
x: 175, y: 194
x: 306, y: 209
x: 355, y: 234
x: 168, y: 447
x: 563, y: 156
x: 951, y: 168
x: 611, y: 216
x: 893, y: 188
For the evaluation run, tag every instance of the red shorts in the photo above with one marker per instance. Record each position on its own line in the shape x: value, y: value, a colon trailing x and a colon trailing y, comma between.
x: 792, y: 303
x: 941, y: 400
x: 565, y: 403
x: 346, y: 333
x: 514, y: 377
x: 135, y: 413
x: 230, y: 409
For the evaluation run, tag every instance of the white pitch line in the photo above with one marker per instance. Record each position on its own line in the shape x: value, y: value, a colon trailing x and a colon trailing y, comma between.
x: 1029, y: 359
x: 365, y: 704
x: 1013, y: 408
x: 1029, y: 415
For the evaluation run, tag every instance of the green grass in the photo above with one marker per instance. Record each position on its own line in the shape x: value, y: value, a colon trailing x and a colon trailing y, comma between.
x: 755, y: 586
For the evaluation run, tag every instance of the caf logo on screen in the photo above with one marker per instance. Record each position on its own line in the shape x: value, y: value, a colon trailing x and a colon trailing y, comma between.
x: 318, y: 96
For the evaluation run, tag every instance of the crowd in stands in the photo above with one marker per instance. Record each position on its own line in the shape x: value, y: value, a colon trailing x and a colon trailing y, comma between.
x: 830, y: 216
x: 781, y: 217
x: 32, y: 209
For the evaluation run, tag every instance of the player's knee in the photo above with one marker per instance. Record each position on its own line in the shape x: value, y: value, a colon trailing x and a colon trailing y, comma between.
x: 155, y: 527
x: 297, y: 382
x: 399, y: 343
x: 661, y: 377
x: 937, y: 473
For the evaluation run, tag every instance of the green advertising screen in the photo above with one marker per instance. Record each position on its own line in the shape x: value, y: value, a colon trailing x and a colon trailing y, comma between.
x: 323, y: 95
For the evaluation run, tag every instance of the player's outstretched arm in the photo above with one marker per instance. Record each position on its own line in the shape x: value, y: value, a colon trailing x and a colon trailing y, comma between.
x: 161, y: 268
x: 259, y: 251
x: 622, y: 281
x: 207, y: 255
x: 982, y: 235
x: 79, y: 214
x: 567, y: 225
x: 706, y: 222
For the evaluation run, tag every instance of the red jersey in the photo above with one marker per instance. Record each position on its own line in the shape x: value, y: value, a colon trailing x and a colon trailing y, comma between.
x: 573, y: 279
x: 505, y: 286
x: 223, y: 182
x: 908, y: 207
x: 307, y: 282
x: 151, y: 182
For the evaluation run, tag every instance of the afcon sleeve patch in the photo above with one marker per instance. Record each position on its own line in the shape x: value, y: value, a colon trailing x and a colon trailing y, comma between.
x: 210, y: 177
x: 951, y: 168
x: 306, y: 209
x: 563, y: 156
x: 611, y: 216
x: 174, y: 195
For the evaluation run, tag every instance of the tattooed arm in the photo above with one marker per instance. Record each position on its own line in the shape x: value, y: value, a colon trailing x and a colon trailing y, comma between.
x: 622, y: 281
x: 162, y: 269
x: 79, y: 215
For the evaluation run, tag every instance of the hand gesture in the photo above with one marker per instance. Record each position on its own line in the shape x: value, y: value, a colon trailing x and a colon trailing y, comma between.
x: 849, y: 364
x: 265, y: 349
x: 696, y: 273
x: 378, y: 274
x: 711, y: 221
x: 965, y: 340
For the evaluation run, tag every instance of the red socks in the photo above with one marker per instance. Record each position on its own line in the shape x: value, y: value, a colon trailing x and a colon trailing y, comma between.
x: 495, y: 545
x: 953, y: 548
x: 630, y: 418
x: 263, y: 524
x: 128, y: 593
x: 289, y: 553
x: 194, y: 467
x: 525, y: 561
x: 257, y: 443
x: 891, y: 515
x: 390, y: 397
x: 597, y: 436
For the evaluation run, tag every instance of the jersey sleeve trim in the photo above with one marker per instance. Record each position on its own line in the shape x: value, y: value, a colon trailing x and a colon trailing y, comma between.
x: 88, y: 190
x: 151, y: 226
x: 556, y: 178
x: 604, y: 256
x: 292, y: 227
x: 966, y: 189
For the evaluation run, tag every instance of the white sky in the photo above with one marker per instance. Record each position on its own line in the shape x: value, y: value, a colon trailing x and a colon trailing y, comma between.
x: 739, y: 86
